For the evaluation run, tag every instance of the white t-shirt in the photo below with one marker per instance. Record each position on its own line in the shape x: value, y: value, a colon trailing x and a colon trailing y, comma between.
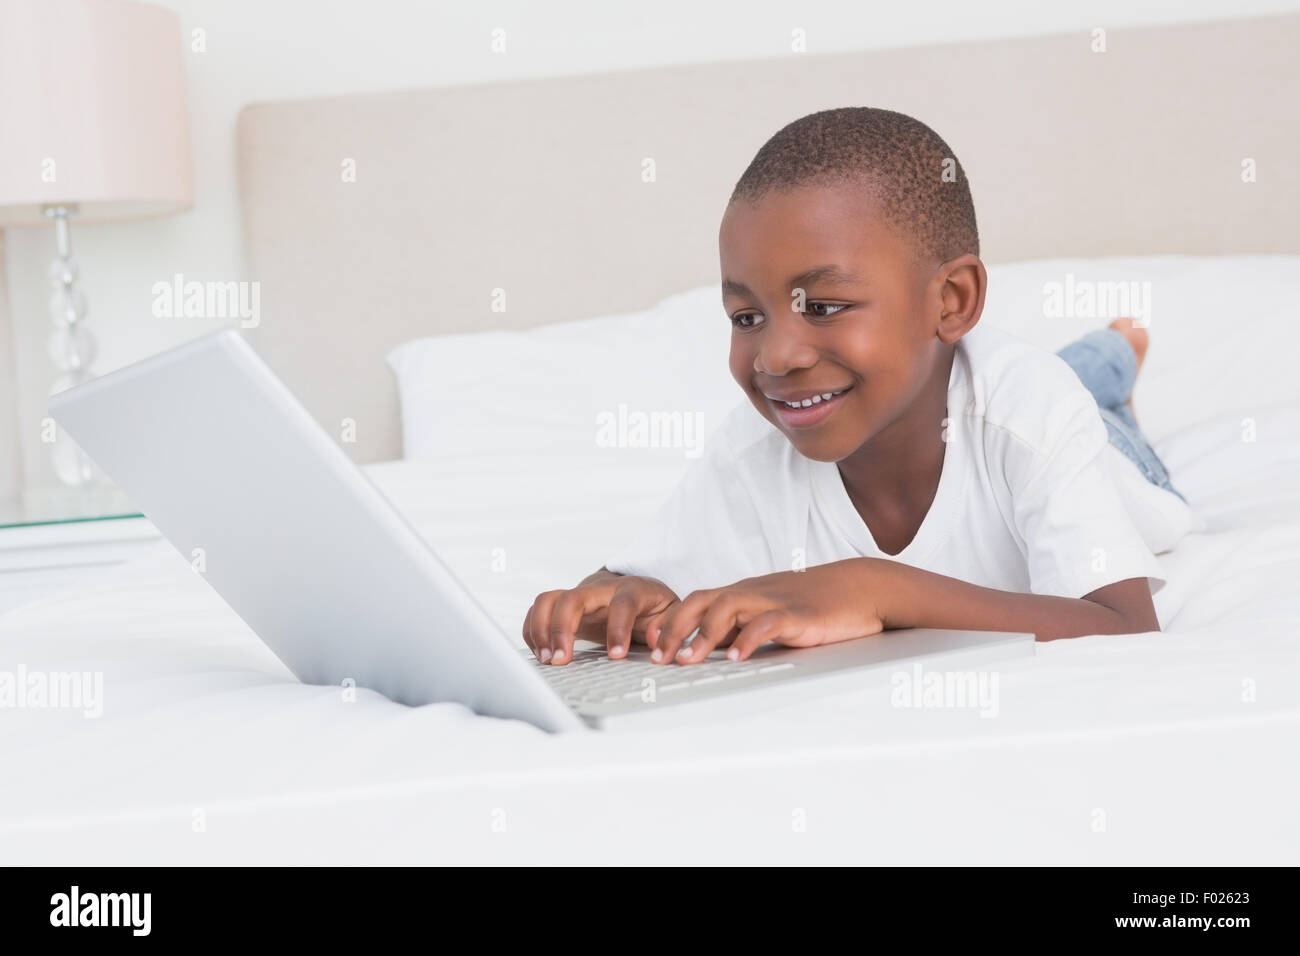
x: 1032, y: 497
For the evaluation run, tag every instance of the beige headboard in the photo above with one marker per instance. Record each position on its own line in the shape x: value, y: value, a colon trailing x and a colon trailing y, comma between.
x: 536, y: 188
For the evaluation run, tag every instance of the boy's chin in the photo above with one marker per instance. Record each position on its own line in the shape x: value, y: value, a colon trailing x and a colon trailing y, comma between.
x: 819, y: 447
x: 814, y: 453
x: 819, y: 444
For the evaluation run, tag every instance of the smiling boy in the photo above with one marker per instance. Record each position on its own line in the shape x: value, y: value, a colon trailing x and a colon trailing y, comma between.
x: 896, y: 465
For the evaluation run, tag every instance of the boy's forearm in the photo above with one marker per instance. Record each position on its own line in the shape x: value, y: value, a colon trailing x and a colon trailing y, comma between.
x: 911, y: 597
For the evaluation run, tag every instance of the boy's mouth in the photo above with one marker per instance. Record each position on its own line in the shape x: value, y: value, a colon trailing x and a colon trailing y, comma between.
x: 805, y: 409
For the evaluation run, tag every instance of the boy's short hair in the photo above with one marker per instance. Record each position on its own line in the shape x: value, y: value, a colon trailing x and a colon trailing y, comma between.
x: 917, y: 182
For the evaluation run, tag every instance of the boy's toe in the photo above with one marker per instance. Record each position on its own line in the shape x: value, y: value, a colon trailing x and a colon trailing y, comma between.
x: 1136, y: 335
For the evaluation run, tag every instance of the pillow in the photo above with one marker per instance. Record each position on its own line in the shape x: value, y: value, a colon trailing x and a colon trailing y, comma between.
x: 586, y: 391
x: 638, y: 388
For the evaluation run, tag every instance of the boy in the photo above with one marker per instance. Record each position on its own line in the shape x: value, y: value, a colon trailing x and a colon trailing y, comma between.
x: 896, y: 465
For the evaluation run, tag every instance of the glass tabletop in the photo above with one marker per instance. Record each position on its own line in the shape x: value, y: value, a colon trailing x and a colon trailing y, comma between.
x: 65, y: 506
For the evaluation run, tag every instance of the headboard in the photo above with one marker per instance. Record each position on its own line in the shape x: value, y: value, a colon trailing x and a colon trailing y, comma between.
x: 537, y: 188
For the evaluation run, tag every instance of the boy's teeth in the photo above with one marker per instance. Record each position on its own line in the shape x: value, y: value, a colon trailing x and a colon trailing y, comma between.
x: 815, y: 400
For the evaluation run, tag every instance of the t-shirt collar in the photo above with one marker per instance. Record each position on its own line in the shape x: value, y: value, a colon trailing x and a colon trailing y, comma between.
x: 828, y: 486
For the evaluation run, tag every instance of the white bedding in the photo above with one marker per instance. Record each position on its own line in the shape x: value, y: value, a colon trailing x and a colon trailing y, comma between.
x: 1173, y: 748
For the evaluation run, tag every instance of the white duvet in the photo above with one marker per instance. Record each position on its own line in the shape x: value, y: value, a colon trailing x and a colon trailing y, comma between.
x: 1178, y: 747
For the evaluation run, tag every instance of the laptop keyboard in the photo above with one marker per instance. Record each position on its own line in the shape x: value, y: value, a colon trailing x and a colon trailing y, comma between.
x: 592, y: 678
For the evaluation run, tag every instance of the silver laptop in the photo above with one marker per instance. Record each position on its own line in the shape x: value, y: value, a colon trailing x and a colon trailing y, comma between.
x: 230, y: 467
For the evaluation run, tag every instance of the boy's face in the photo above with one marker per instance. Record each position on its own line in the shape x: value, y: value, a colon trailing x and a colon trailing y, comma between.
x: 867, y: 329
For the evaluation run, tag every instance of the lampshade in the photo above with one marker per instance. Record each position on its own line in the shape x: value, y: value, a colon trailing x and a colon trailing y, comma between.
x: 92, y: 110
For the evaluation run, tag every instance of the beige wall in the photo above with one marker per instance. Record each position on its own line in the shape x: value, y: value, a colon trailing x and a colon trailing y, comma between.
x: 259, y: 51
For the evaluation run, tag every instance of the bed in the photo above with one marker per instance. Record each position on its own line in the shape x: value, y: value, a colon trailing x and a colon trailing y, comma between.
x: 1177, y: 747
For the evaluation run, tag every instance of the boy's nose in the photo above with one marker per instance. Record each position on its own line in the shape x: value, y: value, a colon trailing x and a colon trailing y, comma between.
x: 782, y: 352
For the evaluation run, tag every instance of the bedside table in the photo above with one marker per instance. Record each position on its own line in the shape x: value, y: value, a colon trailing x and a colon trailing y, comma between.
x: 47, y: 536
x: 70, y: 527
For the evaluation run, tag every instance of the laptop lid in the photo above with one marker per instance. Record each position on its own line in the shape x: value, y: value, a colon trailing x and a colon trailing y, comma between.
x: 225, y: 461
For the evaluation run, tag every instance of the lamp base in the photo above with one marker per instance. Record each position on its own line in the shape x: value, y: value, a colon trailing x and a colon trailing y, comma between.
x: 72, y: 349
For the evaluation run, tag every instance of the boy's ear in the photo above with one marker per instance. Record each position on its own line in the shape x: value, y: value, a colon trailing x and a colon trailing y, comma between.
x: 963, y: 282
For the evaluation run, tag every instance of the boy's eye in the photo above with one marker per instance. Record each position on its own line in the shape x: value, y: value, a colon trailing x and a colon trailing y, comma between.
x: 819, y: 310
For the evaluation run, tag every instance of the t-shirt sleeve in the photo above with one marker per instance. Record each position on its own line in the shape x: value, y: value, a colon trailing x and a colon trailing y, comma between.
x: 1078, y: 536
x: 706, y: 534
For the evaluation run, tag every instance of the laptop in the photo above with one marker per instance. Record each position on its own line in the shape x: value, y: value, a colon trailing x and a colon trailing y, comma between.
x: 217, y: 452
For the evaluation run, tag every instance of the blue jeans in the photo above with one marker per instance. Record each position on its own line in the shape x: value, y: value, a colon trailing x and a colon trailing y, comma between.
x: 1107, y: 366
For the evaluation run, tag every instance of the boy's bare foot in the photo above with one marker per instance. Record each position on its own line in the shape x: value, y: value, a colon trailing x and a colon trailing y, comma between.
x: 1136, y: 335
x: 1137, y: 338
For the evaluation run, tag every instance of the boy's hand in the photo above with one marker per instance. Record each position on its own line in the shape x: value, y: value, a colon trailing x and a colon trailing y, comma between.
x: 832, y: 602
x: 606, y: 608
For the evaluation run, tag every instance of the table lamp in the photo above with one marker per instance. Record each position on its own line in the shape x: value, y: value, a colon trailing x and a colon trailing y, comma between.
x: 92, y: 129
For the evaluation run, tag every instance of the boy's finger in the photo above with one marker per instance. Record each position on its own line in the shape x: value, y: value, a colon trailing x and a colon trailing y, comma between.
x: 700, y: 650
x: 539, y: 624
x: 766, y: 627
x: 660, y: 630
x: 718, y: 623
x: 681, y: 622
x: 566, y: 616
x: 654, y: 625
x: 528, y: 637
x: 622, y: 615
